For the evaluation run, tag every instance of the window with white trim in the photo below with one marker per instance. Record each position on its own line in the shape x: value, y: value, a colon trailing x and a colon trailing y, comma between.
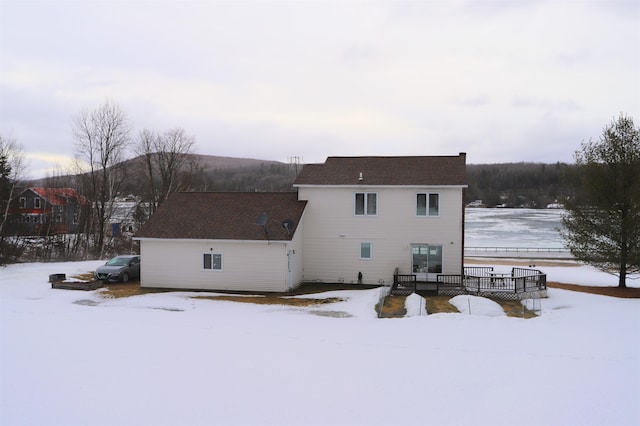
x: 23, y: 203
x: 428, y: 204
x: 365, y: 250
x: 212, y: 261
x: 366, y: 204
x: 37, y: 203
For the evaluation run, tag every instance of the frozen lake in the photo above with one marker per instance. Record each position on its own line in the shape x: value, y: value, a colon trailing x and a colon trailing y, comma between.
x: 532, y: 228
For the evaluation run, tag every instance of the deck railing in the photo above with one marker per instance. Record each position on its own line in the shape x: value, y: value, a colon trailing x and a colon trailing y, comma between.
x: 404, y: 283
x: 478, y: 279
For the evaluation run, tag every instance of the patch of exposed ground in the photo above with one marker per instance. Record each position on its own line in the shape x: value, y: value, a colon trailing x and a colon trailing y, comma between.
x: 393, y: 307
x: 132, y: 288
x: 627, y: 293
x: 117, y: 290
x: 439, y: 305
x: 515, y: 308
x: 272, y: 300
x: 87, y: 276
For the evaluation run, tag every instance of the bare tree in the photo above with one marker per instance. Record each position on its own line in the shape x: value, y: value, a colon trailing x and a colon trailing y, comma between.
x: 145, y: 148
x: 167, y: 162
x: 12, y: 168
x: 101, y: 137
x: 173, y: 149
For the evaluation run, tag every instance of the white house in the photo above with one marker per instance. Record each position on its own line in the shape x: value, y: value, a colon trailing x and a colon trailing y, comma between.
x: 352, y: 220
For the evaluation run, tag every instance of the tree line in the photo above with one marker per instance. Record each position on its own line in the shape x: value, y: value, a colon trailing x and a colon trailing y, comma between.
x: 531, y: 185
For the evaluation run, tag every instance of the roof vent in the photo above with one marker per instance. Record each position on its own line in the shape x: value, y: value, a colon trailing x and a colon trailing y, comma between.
x: 262, y: 221
x: 288, y: 225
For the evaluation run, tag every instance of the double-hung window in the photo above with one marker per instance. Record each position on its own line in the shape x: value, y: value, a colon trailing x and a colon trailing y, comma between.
x: 212, y: 261
x: 366, y: 204
x: 428, y: 204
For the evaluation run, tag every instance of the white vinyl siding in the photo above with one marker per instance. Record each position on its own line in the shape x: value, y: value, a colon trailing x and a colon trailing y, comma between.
x: 247, y: 265
x: 333, y: 236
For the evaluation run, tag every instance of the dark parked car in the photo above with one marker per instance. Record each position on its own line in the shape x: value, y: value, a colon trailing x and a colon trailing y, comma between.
x: 120, y: 268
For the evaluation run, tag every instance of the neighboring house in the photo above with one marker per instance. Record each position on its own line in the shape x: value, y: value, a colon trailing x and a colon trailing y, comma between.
x: 352, y: 220
x: 127, y: 215
x: 224, y: 241
x: 46, y: 211
x: 370, y: 217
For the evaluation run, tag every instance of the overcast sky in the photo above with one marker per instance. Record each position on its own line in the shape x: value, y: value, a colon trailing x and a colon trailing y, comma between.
x: 503, y: 81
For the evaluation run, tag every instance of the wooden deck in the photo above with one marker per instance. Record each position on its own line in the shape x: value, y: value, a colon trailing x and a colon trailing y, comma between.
x: 479, y: 280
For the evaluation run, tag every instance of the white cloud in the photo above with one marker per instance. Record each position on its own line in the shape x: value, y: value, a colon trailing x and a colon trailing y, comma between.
x: 271, y: 80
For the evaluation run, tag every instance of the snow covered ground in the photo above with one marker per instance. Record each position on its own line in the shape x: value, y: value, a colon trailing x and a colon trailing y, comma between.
x: 76, y: 358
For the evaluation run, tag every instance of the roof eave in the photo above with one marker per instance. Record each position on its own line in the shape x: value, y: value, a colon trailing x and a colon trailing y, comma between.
x: 364, y: 185
x: 216, y: 240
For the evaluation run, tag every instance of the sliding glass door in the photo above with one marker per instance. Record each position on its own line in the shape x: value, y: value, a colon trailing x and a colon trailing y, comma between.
x: 426, y: 261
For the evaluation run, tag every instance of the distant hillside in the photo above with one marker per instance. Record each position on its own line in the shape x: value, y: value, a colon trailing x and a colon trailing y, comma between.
x: 511, y: 184
x: 216, y: 173
x: 214, y: 162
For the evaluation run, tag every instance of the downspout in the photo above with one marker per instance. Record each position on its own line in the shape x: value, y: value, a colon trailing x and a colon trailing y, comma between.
x: 463, y: 156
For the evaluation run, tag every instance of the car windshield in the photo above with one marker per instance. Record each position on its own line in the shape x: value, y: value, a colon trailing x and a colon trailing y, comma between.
x: 118, y: 261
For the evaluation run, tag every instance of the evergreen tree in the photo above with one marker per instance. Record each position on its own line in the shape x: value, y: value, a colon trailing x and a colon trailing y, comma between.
x: 602, y: 225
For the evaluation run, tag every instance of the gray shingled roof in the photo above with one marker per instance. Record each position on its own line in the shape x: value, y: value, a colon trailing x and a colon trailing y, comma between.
x: 421, y: 170
x: 225, y: 215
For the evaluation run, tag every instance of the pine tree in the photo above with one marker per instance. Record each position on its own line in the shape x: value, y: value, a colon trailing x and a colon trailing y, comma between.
x: 602, y: 224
